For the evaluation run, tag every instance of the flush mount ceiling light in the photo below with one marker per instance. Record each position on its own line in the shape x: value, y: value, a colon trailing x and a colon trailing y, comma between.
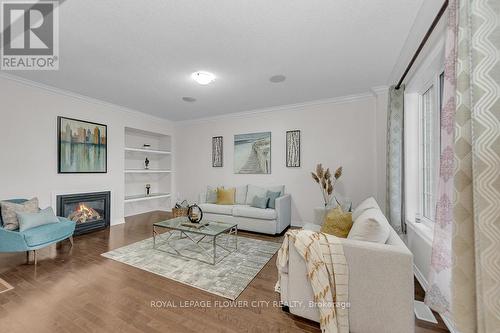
x: 189, y: 99
x: 203, y: 78
x: 277, y: 78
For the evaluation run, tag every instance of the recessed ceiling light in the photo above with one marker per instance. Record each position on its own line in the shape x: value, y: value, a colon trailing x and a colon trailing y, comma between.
x: 189, y: 99
x: 277, y: 78
x: 203, y: 78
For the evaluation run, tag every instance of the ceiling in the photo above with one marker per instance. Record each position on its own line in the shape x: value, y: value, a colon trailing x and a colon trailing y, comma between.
x: 140, y: 54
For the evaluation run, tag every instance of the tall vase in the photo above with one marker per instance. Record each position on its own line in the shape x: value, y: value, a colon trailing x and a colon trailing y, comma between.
x: 320, y: 213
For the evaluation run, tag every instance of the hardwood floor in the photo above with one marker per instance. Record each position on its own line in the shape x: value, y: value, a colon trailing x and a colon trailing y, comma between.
x: 75, y: 289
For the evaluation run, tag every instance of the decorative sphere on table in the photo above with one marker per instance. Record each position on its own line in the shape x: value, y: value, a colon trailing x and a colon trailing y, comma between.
x: 195, y: 214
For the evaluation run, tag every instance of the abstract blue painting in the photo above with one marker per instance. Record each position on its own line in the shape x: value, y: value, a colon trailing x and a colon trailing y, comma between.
x: 82, y: 146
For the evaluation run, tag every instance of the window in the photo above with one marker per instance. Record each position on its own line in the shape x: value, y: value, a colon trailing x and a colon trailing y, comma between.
x: 430, y: 108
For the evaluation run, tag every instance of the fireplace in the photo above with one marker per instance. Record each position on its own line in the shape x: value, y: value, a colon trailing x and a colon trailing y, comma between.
x: 90, y: 211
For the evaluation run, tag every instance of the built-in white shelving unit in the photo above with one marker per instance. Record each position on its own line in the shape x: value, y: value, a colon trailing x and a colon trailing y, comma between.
x: 158, y: 175
x: 148, y: 151
x: 146, y: 171
x: 142, y: 197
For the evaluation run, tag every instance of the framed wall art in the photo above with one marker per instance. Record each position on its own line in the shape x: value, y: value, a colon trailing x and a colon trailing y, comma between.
x: 82, y: 146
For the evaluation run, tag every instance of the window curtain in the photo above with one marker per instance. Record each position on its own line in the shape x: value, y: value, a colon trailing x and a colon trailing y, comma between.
x: 438, y: 295
x: 395, y: 158
x: 476, y: 229
x: 465, y: 265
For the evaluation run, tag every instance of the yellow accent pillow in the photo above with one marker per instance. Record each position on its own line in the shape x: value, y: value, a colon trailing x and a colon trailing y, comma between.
x: 337, y: 223
x: 225, y: 196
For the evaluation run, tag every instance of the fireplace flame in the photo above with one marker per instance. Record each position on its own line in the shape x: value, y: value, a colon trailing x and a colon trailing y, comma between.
x: 84, y: 214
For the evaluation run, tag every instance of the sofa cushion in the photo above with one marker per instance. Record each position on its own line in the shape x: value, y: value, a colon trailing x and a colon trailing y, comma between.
x: 49, y: 232
x: 337, y: 223
x: 212, y: 194
x: 261, y: 191
x: 272, y: 198
x: 10, y: 210
x: 260, y: 202
x: 217, y: 209
x: 370, y: 226
x: 33, y: 220
x: 225, y: 196
x: 255, y: 213
x: 366, y: 204
x: 241, y: 195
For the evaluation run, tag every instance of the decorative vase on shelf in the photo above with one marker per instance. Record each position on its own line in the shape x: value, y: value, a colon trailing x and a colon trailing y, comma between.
x: 148, y: 190
x: 146, y: 163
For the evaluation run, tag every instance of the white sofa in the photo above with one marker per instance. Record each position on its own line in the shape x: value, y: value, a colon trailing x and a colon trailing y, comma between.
x: 267, y: 221
x: 380, y: 285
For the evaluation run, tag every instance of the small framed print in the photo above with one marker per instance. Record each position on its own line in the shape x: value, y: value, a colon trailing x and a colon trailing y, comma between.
x: 217, y: 152
x: 293, y: 149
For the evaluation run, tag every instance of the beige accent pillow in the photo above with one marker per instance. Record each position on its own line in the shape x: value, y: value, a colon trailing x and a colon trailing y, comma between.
x: 370, y: 226
x: 363, y: 206
x: 337, y: 223
x: 225, y: 196
x: 10, y: 210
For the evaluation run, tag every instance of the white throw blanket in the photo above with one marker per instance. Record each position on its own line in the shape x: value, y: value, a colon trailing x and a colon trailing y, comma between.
x: 327, y: 272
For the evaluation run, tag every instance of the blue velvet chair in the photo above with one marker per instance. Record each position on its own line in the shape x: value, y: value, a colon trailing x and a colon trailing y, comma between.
x: 35, y: 238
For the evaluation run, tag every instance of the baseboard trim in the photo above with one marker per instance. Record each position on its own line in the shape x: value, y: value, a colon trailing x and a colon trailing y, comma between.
x: 425, y: 285
x: 420, y: 278
x: 449, y: 325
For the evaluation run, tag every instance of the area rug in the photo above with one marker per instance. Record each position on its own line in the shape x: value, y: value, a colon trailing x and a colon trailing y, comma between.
x: 5, y: 286
x: 228, y: 278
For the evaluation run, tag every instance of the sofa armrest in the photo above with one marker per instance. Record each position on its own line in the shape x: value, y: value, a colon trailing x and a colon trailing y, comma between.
x: 284, y: 212
x: 380, y: 287
x: 12, y: 241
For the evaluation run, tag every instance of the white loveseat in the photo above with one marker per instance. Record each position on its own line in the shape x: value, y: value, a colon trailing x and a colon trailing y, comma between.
x: 267, y: 221
x: 380, y: 285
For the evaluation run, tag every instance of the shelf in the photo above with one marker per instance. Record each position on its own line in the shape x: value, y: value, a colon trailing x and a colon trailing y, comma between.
x: 142, y: 197
x: 146, y: 171
x: 151, y: 151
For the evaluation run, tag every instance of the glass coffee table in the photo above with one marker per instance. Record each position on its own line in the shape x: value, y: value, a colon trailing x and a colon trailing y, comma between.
x: 206, y: 238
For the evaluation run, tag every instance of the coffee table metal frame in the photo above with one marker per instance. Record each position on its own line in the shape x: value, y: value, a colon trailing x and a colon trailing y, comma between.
x: 208, y: 236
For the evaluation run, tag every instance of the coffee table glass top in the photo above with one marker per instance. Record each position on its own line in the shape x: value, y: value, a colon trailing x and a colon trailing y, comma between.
x: 213, y: 228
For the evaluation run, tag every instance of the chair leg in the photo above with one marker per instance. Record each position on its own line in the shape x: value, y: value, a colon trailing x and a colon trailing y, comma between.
x: 34, y: 255
x: 27, y: 257
x: 71, y: 240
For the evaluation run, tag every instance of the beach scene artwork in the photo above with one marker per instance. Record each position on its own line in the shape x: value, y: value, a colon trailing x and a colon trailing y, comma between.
x: 82, y: 146
x: 252, y: 153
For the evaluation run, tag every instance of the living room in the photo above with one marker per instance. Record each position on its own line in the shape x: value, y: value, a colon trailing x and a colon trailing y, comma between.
x: 245, y: 167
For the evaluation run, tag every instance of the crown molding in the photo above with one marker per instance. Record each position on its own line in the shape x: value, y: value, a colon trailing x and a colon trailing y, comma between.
x: 379, y: 90
x: 74, y: 95
x: 286, y: 107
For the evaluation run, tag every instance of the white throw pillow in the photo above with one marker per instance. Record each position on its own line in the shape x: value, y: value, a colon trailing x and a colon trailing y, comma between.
x: 371, y: 226
x: 212, y: 194
x: 262, y: 191
x: 241, y: 195
x: 366, y: 204
x: 254, y: 191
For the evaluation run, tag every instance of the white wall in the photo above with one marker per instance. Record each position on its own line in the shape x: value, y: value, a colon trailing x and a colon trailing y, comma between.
x: 28, y: 136
x: 335, y: 133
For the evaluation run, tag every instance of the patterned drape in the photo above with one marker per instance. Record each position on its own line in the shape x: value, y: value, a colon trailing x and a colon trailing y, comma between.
x: 465, y: 272
x: 395, y: 158
x: 476, y: 229
x: 438, y: 295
